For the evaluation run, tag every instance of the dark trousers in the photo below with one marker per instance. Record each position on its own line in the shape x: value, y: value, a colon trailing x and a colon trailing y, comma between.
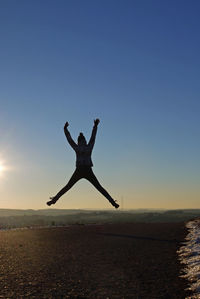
x: 86, y: 173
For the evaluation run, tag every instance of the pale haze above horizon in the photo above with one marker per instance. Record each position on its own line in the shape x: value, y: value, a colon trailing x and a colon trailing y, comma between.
x: 135, y: 65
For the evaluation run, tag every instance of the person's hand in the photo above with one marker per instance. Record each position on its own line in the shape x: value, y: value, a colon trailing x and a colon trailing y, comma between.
x: 96, y: 122
x: 66, y: 125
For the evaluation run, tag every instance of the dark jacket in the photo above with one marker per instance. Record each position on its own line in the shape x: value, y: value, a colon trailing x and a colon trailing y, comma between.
x: 83, y: 152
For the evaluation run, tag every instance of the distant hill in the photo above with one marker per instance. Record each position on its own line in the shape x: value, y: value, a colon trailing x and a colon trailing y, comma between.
x: 43, y: 212
x: 12, y: 218
x: 60, y: 212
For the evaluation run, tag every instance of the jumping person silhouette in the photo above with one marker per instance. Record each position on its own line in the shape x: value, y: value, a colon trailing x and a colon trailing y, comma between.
x: 83, y: 164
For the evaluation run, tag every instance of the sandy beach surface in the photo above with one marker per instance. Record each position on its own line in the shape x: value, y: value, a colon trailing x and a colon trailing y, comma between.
x: 93, y: 261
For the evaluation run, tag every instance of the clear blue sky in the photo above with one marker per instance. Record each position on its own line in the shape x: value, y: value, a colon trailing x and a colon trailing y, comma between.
x: 133, y: 64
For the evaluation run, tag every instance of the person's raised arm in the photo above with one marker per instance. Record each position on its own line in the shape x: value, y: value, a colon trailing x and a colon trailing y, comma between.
x: 94, y: 132
x: 68, y: 136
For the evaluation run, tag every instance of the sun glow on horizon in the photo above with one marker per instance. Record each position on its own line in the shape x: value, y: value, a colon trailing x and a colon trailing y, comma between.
x: 2, y: 168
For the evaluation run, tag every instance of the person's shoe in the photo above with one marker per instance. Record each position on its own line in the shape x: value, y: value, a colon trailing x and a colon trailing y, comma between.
x: 52, y: 201
x: 114, y: 203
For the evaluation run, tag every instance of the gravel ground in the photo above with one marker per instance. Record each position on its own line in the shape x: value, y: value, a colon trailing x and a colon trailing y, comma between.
x: 95, y: 261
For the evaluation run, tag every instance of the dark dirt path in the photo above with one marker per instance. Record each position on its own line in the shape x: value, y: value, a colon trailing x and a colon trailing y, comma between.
x: 99, y: 261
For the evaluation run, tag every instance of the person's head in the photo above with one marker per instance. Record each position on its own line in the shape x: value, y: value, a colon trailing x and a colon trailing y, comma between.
x: 81, y: 139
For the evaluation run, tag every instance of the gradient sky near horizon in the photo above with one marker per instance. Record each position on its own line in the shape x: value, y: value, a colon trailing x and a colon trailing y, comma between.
x: 133, y: 64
